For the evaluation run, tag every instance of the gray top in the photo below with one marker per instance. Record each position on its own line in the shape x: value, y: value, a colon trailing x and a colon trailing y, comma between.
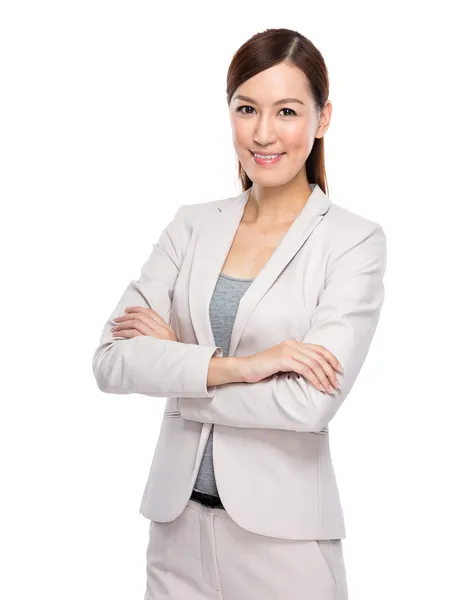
x: 223, y: 306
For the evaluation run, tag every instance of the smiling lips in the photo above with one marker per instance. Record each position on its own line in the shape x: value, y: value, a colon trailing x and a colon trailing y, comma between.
x: 266, y: 154
x: 266, y: 159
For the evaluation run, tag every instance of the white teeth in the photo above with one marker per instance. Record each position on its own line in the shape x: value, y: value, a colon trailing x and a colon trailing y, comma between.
x: 268, y: 156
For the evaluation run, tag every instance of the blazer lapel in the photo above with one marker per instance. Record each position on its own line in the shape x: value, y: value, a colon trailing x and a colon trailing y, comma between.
x: 212, y: 247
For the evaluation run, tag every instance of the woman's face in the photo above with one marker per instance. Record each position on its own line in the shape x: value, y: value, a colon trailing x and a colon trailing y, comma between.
x: 262, y: 122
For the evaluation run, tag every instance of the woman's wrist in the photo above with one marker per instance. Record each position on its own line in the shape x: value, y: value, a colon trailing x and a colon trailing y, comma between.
x: 226, y: 369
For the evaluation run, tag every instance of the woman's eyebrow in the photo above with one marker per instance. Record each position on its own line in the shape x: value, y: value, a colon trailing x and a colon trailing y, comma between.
x: 247, y: 99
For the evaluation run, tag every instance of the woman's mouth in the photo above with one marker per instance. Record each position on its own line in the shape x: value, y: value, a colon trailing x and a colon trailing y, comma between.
x: 266, y: 159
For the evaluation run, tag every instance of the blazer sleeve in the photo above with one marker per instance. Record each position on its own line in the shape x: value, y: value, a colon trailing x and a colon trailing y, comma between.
x: 344, y: 322
x: 144, y: 364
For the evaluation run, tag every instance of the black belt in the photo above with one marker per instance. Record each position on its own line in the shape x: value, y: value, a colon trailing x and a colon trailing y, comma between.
x: 207, y: 499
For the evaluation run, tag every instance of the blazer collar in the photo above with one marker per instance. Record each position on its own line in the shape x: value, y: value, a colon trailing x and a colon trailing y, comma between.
x: 214, y: 242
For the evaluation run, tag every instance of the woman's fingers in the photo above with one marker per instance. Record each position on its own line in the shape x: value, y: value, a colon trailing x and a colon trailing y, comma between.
x: 143, y: 322
x: 331, y: 358
x: 317, y: 362
x: 146, y: 315
x: 315, y: 359
x: 129, y: 325
x: 298, y: 367
x: 134, y: 317
x: 126, y: 333
x: 319, y: 368
x: 146, y: 312
x: 326, y: 367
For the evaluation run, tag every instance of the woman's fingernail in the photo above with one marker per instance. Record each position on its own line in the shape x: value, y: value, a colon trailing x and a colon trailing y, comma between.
x: 338, y: 385
x: 340, y: 368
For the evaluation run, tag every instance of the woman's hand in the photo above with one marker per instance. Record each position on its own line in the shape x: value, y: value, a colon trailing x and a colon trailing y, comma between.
x: 140, y: 320
x: 312, y: 361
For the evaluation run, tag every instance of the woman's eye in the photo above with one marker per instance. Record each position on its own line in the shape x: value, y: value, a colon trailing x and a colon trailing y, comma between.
x: 290, y: 110
x: 240, y: 109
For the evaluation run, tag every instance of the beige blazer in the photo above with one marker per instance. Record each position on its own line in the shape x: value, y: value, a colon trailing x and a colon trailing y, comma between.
x: 323, y: 285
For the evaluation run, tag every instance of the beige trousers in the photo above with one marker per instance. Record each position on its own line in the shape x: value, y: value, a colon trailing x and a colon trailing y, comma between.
x: 203, y: 554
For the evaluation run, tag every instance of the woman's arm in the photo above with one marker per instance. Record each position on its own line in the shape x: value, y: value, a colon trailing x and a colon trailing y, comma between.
x: 344, y: 322
x: 228, y: 369
x: 145, y: 364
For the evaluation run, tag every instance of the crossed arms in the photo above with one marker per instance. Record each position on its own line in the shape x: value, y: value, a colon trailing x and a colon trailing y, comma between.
x: 344, y: 322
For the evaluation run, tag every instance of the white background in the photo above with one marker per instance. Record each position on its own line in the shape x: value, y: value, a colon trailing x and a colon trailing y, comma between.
x: 113, y: 114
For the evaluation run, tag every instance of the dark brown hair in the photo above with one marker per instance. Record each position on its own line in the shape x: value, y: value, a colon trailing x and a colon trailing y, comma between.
x: 271, y: 47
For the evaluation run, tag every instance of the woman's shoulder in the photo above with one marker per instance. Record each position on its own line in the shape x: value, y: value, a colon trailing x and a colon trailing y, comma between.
x: 207, y: 206
x: 341, y: 221
x: 346, y: 231
x: 189, y: 214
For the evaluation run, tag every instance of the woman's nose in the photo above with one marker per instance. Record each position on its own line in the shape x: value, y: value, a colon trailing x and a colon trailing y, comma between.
x: 265, y: 132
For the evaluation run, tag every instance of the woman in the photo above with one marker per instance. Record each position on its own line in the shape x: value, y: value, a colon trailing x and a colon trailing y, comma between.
x: 253, y: 316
